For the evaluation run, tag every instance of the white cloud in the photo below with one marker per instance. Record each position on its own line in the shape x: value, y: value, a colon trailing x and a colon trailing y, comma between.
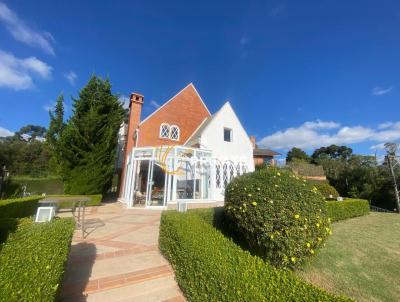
x: 154, y: 104
x: 17, y: 73
x: 385, y: 125
x: 381, y: 91
x: 319, y: 133
x: 275, y: 11
x: 5, y: 132
x: 124, y: 100
x: 244, y: 40
x: 71, y: 77
x: 21, y: 32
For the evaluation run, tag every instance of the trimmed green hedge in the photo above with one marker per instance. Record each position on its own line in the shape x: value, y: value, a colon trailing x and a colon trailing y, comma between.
x: 210, y: 267
x: 340, y: 210
x: 95, y: 200
x: 26, y: 207
x: 19, y: 207
x: 32, y: 260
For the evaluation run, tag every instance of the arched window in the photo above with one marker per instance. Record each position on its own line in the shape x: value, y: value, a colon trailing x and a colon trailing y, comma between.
x: 238, y: 172
x: 225, y: 174
x: 164, y: 130
x: 231, y: 171
x: 174, y: 135
x: 218, y: 175
x: 244, y: 168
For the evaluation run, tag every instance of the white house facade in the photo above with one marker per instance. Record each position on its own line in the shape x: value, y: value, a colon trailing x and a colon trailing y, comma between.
x: 181, y: 153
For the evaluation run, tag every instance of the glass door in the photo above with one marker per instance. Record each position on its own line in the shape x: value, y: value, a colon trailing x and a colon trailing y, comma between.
x: 155, y: 185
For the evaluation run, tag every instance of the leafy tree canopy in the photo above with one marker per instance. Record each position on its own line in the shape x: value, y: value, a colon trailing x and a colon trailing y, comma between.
x: 332, y: 152
x: 297, y: 153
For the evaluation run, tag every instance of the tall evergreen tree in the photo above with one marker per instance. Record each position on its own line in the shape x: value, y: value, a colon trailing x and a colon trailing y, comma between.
x: 89, y: 141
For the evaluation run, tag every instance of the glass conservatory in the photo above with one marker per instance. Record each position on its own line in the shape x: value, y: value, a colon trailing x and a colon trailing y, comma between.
x: 156, y: 176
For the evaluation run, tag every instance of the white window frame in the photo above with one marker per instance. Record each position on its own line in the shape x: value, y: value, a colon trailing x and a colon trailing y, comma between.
x: 161, y: 130
x: 178, y: 131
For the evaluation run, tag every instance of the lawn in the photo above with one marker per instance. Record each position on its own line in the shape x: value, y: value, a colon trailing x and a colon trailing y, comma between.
x: 361, y: 259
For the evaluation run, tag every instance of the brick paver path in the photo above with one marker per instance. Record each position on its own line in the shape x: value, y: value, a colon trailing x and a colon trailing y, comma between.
x: 119, y: 260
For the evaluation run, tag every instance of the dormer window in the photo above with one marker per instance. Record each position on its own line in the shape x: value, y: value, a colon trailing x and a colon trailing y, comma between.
x: 172, y: 132
x: 174, y: 135
x: 164, y: 130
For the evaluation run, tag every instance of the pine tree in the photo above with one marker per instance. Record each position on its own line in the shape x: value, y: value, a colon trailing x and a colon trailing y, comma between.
x: 54, y: 132
x: 89, y: 141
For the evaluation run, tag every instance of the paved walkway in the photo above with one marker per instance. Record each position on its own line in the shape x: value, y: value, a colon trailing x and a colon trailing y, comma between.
x: 119, y: 260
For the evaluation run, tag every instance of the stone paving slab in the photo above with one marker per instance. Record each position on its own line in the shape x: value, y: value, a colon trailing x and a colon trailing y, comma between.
x: 119, y: 260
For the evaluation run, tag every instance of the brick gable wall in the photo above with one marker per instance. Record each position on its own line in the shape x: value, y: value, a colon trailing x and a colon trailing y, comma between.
x: 186, y: 110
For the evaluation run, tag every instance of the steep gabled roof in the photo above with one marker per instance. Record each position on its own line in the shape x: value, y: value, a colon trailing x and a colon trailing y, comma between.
x: 189, y: 86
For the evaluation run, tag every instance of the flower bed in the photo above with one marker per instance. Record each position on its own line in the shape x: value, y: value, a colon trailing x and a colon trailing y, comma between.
x: 210, y: 267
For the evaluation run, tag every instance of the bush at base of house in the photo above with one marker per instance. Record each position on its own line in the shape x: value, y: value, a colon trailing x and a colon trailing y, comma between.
x: 32, y: 260
x: 27, y: 206
x: 210, y: 267
x: 327, y: 190
x: 349, y: 208
x: 281, y: 216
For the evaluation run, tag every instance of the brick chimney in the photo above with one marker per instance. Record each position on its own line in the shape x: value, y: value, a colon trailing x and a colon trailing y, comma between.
x: 253, y: 141
x: 132, y: 135
x: 135, y: 110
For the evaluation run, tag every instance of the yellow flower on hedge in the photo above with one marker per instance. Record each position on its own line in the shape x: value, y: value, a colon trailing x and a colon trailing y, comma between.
x: 319, y: 239
x: 272, y: 237
x: 312, y: 251
x: 308, y: 244
x: 297, y: 216
x: 271, y: 201
x: 276, y: 186
x: 254, y: 203
x: 317, y: 224
x: 279, y: 174
x: 293, y: 259
x: 249, y: 195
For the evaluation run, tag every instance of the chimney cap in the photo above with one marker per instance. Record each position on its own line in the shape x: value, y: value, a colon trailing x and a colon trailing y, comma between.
x: 136, y: 97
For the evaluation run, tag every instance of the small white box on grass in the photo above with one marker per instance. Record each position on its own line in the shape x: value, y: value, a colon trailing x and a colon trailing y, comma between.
x: 45, y: 214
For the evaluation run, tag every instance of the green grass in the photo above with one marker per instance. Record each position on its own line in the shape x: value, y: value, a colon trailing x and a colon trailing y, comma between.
x: 361, y: 259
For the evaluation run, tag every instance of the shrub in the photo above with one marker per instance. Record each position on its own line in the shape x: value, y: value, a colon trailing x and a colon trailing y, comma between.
x: 327, y: 190
x: 210, y: 267
x: 281, y: 216
x: 95, y: 200
x: 19, y: 207
x: 340, y: 210
x: 33, y: 259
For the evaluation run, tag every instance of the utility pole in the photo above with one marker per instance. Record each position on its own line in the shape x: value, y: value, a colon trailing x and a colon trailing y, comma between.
x: 391, y: 149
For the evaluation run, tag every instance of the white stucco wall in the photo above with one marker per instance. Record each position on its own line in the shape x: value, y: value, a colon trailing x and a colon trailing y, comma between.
x: 238, y: 150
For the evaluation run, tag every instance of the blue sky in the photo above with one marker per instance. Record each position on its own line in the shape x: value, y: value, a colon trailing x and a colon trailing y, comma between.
x: 298, y: 73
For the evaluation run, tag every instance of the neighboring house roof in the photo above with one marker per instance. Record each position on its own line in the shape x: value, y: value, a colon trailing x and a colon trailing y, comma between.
x: 264, y: 152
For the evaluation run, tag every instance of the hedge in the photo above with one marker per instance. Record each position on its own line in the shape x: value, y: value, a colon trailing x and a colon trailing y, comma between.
x: 210, y: 267
x: 26, y: 206
x: 32, y: 260
x: 340, y: 210
x: 19, y: 207
x: 282, y: 217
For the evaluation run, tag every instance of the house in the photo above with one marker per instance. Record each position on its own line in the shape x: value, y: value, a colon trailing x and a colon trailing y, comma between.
x: 262, y: 156
x: 181, y: 152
